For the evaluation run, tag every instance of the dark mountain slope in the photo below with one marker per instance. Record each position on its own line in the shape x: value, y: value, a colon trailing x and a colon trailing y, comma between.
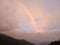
x: 6, y: 40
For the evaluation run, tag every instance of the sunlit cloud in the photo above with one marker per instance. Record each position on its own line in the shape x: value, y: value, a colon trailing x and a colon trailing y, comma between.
x: 30, y: 18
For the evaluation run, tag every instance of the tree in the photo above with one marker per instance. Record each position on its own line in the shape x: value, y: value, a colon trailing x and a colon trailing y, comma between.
x: 55, y: 43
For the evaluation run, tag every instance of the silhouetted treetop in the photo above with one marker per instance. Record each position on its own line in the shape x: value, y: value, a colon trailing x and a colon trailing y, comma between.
x: 55, y: 43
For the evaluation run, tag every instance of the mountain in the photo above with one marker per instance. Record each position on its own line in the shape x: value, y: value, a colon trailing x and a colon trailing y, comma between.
x: 7, y: 40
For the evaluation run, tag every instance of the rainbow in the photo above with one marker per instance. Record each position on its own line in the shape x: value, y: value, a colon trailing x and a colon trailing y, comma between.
x: 31, y: 17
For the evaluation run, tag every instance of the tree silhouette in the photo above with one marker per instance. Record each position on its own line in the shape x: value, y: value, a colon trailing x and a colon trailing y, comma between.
x: 55, y: 43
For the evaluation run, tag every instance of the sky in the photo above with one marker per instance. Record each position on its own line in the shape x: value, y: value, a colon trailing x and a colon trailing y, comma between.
x: 39, y: 19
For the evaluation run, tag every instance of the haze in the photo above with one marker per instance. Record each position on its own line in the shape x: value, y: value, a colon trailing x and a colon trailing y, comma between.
x: 33, y: 20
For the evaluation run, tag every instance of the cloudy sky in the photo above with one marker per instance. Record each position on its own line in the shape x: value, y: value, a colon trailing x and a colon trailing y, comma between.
x: 39, y: 19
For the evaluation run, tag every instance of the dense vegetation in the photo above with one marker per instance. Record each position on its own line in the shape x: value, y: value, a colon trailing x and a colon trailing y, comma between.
x: 6, y: 40
x: 55, y: 43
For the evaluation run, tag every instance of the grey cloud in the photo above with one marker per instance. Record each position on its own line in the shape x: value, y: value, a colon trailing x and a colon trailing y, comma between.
x: 36, y: 37
x: 8, y: 19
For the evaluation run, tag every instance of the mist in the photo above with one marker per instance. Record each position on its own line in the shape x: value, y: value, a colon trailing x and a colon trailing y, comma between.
x: 47, y: 19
